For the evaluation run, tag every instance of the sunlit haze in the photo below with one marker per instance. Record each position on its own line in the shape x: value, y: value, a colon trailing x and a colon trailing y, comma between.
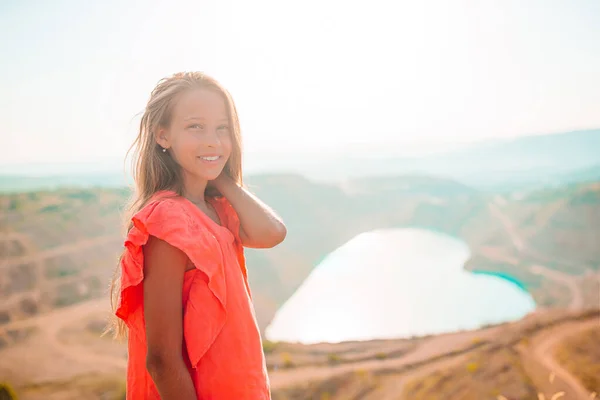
x: 310, y: 77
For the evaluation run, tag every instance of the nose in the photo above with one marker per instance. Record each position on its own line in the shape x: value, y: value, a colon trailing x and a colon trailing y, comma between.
x: 212, y: 139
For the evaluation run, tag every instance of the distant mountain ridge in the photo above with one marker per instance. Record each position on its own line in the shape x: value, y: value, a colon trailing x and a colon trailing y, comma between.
x: 494, y: 164
x: 513, y: 164
x: 19, y: 183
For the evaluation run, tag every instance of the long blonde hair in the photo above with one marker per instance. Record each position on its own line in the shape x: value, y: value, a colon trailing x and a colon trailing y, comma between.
x: 154, y: 170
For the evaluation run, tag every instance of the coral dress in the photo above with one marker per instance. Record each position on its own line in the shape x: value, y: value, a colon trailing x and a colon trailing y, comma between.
x: 222, y: 345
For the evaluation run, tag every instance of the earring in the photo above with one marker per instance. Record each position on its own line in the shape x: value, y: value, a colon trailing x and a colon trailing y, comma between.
x: 164, y: 150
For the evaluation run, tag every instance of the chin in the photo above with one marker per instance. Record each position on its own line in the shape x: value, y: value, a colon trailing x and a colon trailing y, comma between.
x: 209, y: 175
x: 203, y: 173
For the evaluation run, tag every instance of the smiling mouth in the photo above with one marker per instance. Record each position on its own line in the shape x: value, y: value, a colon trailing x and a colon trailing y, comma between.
x: 210, y: 158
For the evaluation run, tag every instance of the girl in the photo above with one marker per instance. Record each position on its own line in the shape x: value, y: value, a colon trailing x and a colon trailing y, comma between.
x: 183, y: 294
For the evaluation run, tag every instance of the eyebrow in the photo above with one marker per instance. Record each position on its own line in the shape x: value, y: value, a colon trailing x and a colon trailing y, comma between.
x: 202, y: 118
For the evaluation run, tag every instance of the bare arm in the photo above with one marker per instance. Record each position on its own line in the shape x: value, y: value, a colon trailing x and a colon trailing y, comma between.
x: 164, y: 267
x: 260, y: 227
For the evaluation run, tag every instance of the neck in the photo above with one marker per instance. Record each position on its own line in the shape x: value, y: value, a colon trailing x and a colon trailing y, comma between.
x: 194, y: 189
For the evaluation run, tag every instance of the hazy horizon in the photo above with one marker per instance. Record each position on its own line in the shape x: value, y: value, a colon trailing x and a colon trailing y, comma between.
x: 313, y: 79
x: 255, y: 163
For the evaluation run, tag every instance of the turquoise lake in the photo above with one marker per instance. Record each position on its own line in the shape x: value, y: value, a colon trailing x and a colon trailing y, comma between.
x: 396, y: 283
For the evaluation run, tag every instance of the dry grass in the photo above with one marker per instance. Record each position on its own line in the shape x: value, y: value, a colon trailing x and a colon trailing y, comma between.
x: 354, y: 385
x: 294, y: 355
x: 92, y: 387
x: 580, y: 355
x: 486, y: 374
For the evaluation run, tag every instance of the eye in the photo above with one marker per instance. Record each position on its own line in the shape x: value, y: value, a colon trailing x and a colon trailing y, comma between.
x: 196, y: 126
x: 223, y: 129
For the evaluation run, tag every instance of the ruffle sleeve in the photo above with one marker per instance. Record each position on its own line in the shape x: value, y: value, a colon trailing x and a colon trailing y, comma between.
x: 170, y: 220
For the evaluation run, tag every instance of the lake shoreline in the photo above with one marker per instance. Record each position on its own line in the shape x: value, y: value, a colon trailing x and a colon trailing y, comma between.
x: 387, y: 301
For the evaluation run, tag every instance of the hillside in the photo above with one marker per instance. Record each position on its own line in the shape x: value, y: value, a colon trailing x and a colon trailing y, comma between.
x: 67, y: 359
x: 61, y: 246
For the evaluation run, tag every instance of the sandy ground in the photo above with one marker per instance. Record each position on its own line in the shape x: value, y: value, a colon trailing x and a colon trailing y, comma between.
x: 45, y: 356
x: 549, y: 376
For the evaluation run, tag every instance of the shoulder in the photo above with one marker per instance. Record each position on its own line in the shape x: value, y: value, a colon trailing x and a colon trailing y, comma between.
x: 160, y: 208
x: 166, y: 216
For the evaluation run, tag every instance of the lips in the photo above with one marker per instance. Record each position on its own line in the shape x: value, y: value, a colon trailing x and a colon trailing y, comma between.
x: 210, y: 158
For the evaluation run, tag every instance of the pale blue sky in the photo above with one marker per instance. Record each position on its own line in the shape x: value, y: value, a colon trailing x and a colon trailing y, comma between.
x: 314, y: 76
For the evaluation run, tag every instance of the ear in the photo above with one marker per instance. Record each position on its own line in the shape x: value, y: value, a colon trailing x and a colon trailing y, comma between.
x: 162, y: 138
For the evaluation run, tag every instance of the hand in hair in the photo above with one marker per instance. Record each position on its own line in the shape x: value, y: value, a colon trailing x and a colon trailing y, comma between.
x: 260, y: 226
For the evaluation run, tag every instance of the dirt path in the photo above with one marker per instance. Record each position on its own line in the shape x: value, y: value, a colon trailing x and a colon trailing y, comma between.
x: 49, y: 358
x: 538, y: 359
x: 80, y: 353
x: 569, y: 281
x: 548, y: 375
x: 444, y: 351
x: 577, y: 301
x: 508, y: 225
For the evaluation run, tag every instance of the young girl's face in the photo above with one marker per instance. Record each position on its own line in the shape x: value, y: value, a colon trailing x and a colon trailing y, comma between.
x: 199, y: 136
